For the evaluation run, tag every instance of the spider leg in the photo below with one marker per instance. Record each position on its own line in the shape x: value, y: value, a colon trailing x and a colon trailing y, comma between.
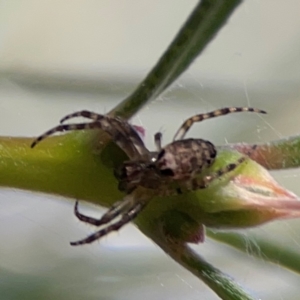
x: 124, y: 129
x: 122, y: 133
x: 115, y: 210
x: 83, y: 113
x: 129, y: 133
x: 126, y: 218
x: 157, y: 140
x: 183, y: 129
x: 66, y: 127
x: 202, y: 183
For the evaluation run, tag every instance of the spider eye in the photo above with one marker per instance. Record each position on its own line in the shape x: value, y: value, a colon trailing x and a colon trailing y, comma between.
x: 167, y: 172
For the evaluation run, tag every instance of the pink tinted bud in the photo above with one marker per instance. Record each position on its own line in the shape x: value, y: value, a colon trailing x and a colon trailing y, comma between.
x: 250, y: 198
x: 265, y: 194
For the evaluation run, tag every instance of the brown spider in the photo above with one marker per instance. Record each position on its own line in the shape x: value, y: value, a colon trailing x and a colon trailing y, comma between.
x: 180, y: 162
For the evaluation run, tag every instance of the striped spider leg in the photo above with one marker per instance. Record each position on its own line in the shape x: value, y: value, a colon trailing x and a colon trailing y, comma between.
x: 126, y: 137
x: 127, y: 209
x: 187, y: 124
x: 180, y: 161
x: 134, y: 173
x: 184, y: 159
x: 121, y: 132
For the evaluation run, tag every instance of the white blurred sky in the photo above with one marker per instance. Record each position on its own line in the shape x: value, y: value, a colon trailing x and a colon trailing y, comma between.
x: 260, y: 42
x: 112, y: 38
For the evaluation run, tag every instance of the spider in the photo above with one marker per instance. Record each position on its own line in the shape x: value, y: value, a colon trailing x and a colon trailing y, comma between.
x: 180, y: 162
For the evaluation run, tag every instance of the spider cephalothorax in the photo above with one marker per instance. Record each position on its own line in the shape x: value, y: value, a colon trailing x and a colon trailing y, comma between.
x: 180, y: 162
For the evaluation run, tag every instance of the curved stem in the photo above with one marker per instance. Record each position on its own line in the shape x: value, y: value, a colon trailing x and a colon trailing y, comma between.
x: 200, y: 28
x: 222, y: 284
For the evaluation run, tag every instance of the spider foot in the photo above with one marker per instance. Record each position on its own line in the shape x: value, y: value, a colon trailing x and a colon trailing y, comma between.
x: 115, y: 210
x: 65, y: 127
x: 128, y: 216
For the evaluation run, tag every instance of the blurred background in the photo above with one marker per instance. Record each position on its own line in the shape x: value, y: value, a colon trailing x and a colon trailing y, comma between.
x: 57, y: 57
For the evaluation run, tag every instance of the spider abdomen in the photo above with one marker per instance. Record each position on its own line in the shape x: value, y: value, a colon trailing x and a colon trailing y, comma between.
x: 185, y: 158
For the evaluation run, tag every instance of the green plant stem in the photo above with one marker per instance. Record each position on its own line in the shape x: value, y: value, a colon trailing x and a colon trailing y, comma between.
x: 276, y: 155
x: 73, y: 165
x: 270, y: 251
x: 67, y: 165
x: 200, y: 28
x: 223, y: 285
